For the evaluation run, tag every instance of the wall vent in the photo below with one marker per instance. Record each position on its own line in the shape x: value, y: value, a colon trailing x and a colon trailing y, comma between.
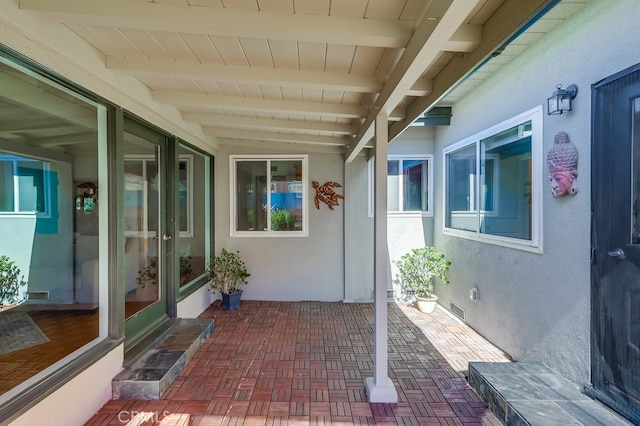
x: 458, y: 311
x: 37, y: 295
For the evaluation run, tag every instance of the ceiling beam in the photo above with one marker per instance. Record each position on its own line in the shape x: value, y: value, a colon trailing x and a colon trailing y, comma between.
x: 249, y: 75
x: 504, y: 24
x: 438, y: 26
x: 223, y: 133
x: 223, y: 120
x: 223, y: 21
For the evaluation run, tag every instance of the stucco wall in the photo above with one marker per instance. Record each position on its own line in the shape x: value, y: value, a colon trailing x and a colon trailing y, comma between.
x: 288, y: 268
x: 404, y: 231
x: 536, y: 307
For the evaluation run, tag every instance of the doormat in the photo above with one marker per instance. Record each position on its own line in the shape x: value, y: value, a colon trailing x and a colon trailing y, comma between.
x: 18, y: 331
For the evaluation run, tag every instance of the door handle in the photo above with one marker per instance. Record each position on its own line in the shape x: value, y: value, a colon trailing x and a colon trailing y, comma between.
x: 166, y: 237
x: 617, y: 253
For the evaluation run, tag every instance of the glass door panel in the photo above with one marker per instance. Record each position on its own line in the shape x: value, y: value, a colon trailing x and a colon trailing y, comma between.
x: 143, y: 229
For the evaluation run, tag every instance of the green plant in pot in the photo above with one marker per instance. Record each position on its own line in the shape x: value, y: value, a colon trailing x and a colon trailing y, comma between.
x: 10, y: 283
x: 228, y: 273
x: 417, y: 271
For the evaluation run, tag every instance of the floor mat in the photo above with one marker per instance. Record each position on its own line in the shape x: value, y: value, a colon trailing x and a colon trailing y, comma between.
x: 18, y: 331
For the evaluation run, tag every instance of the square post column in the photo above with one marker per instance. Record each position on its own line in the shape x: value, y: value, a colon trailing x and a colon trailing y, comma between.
x: 380, y: 388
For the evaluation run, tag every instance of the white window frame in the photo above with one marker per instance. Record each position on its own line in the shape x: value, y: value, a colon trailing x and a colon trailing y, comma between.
x: 535, y: 244
x: 400, y: 213
x: 46, y: 183
x: 233, y: 160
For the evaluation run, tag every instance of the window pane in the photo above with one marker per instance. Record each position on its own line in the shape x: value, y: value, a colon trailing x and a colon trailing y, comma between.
x: 461, y: 198
x: 415, y: 185
x: 193, y: 187
x: 394, y: 178
x: 251, y: 195
x: 506, y: 183
x: 56, y: 300
x: 286, y: 195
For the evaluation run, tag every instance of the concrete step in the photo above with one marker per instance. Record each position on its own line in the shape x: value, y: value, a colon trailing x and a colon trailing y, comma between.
x: 521, y: 393
x: 152, y: 373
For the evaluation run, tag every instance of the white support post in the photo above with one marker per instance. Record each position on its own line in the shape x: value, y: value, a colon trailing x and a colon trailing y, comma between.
x: 380, y: 388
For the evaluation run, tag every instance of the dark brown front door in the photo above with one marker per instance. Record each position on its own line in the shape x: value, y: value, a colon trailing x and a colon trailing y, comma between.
x: 616, y: 242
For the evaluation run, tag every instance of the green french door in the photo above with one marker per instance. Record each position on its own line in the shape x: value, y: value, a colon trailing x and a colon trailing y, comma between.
x: 145, y: 230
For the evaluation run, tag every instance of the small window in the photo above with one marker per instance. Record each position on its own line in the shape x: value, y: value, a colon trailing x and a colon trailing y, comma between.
x: 268, y: 195
x: 492, y: 184
x: 25, y: 185
x: 409, y: 185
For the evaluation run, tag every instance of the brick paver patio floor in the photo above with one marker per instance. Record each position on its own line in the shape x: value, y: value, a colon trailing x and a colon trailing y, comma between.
x: 299, y: 363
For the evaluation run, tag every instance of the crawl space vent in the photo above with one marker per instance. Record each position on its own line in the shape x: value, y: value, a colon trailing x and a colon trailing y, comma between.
x: 458, y: 311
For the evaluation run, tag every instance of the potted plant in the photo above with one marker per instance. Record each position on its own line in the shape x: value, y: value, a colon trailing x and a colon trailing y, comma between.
x: 228, y: 274
x: 282, y: 220
x: 417, y: 271
x: 10, y: 283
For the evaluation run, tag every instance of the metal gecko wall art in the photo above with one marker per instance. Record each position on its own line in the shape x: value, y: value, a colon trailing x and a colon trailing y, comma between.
x: 325, y: 193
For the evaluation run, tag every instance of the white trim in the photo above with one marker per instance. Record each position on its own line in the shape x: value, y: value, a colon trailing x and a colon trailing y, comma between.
x: 304, y: 158
x: 533, y: 245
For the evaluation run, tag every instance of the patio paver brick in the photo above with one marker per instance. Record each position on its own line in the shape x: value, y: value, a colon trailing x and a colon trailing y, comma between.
x: 304, y: 363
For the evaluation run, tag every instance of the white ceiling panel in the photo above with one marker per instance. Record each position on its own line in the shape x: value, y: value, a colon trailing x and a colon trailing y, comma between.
x: 314, y: 72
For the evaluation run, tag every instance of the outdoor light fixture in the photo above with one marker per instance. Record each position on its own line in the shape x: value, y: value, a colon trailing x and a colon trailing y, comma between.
x: 561, y: 99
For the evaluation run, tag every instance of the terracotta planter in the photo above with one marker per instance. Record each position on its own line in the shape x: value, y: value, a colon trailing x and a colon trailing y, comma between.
x: 427, y: 305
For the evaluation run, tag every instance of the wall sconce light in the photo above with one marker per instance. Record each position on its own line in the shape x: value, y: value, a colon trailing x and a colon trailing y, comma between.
x: 561, y: 99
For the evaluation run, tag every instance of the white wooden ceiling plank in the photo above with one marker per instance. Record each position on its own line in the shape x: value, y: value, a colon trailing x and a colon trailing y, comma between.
x: 188, y: 86
x: 339, y: 57
x: 366, y: 59
x: 250, y: 90
x: 332, y: 96
x: 257, y: 52
x: 148, y: 45
x: 232, y: 22
x: 385, y: 9
x: 210, y: 87
x: 202, y: 48
x: 174, y: 45
x: 312, y: 56
x: 279, y: 6
x: 312, y: 7
x: 292, y: 94
x: 349, y: 8
x: 312, y: 95
x: 351, y: 98
x: 229, y: 49
x: 240, y: 4
x: 388, y: 61
x: 230, y: 89
x: 236, y: 74
x: 206, y: 3
x: 98, y: 42
x: 193, y: 100
x: 117, y: 40
x: 274, y: 136
x: 284, y: 54
x: 414, y: 10
x: 271, y: 92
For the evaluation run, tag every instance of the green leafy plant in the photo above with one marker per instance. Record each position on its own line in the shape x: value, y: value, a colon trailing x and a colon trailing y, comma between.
x: 227, y: 272
x: 282, y: 220
x: 418, y: 269
x: 10, y: 281
x: 147, y: 274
